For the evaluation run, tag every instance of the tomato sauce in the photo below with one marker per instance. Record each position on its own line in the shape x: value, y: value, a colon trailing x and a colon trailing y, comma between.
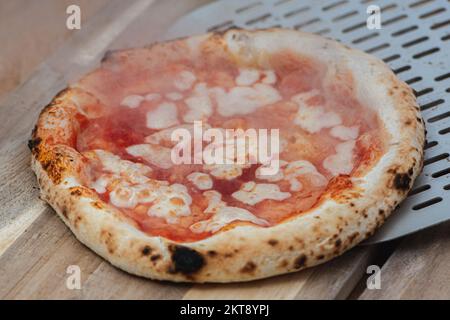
x: 122, y: 127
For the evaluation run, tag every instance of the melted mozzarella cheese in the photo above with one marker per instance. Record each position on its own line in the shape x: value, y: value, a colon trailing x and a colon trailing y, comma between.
x: 318, y: 179
x: 315, y: 118
x: 101, y: 183
x: 199, y: 104
x: 291, y: 171
x: 132, y: 101
x: 171, y: 203
x: 121, y: 172
x: 252, y: 193
x: 273, y: 177
x: 245, y: 100
x: 164, y: 116
x: 184, y: 80
x: 152, y: 97
x: 345, y: 133
x: 226, y: 171
x: 247, y: 77
x: 134, y: 172
x: 301, y: 168
x: 174, y: 96
x: 165, y: 135
x: 223, y: 217
x: 296, y: 185
x: 215, y: 202
x: 153, y: 154
x: 148, y: 192
x: 123, y: 196
x: 342, y: 161
x: 201, y: 180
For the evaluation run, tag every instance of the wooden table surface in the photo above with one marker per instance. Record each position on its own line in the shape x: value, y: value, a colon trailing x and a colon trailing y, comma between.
x: 38, y: 57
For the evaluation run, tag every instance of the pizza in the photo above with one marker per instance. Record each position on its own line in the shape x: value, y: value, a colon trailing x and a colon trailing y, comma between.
x: 349, y: 135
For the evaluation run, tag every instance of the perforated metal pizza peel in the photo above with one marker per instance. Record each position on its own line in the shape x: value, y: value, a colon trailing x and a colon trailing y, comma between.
x: 414, y: 40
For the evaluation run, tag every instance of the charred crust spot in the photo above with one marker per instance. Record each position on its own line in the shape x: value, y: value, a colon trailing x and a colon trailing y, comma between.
x: 76, y: 192
x: 211, y: 253
x: 97, y: 204
x: 155, y: 257
x: 61, y: 93
x: 249, y: 267
x: 186, y: 260
x: 402, y: 181
x: 273, y: 242
x: 300, y: 261
x: 381, y: 212
x: 408, y: 122
x: 353, y: 236
x: 46, y: 165
x: 338, y: 243
x: 146, y: 250
x: 64, y: 213
x: 48, y: 106
x: 109, y: 241
x: 320, y: 257
x: 34, y: 143
x: 283, y: 264
x: 221, y: 33
x: 369, y: 233
x: 77, y: 221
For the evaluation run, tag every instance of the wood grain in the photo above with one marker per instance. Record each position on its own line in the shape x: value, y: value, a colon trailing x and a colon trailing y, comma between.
x: 333, y: 280
x: 418, y: 269
x: 30, y: 31
x: 35, y: 267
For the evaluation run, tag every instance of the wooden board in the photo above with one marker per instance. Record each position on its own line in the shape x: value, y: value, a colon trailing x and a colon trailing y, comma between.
x: 35, y: 246
x: 35, y: 267
x: 418, y: 269
x: 30, y: 31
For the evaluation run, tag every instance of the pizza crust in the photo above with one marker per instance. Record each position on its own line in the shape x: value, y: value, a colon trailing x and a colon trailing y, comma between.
x: 243, y: 251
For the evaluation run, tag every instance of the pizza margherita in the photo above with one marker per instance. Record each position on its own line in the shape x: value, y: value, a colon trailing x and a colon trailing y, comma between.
x: 349, y: 144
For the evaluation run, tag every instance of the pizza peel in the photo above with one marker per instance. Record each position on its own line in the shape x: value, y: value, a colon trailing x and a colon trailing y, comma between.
x: 414, y: 40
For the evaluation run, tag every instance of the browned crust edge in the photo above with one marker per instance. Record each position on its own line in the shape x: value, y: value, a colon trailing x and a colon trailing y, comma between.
x: 245, y: 252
